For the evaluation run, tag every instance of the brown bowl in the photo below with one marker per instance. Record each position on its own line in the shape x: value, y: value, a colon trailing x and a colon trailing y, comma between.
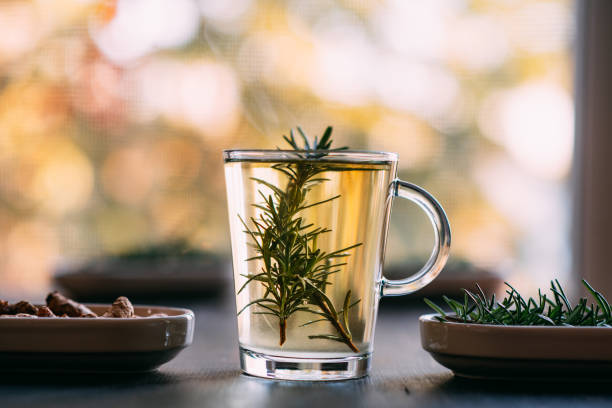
x: 519, y: 352
x: 95, y: 345
x: 102, y: 279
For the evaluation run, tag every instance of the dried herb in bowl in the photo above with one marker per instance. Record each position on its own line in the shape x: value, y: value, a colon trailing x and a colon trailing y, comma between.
x: 514, y: 310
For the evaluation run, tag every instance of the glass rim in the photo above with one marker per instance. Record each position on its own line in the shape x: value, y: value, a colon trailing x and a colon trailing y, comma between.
x: 271, y: 155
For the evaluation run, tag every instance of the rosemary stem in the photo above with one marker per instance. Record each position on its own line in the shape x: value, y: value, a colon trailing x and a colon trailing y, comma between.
x: 338, y: 326
x: 282, y: 327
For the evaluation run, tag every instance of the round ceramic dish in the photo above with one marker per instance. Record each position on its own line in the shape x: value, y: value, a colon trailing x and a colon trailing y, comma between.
x: 95, y: 345
x: 104, y: 278
x: 519, y: 352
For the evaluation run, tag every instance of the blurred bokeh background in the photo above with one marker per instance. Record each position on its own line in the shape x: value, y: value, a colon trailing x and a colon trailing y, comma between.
x: 114, y: 113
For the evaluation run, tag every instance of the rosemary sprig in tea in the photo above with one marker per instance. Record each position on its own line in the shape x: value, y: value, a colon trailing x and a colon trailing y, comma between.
x: 295, y: 270
x: 514, y: 310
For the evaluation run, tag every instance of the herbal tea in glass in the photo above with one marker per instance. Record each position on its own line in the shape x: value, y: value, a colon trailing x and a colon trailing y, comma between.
x: 308, y: 229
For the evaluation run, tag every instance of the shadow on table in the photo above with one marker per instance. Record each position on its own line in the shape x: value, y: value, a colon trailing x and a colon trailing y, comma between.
x: 459, y: 385
x: 217, y: 388
x: 229, y: 385
x: 259, y: 392
x: 119, y: 380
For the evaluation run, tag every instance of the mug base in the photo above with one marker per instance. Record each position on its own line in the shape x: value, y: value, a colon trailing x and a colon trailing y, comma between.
x: 304, y: 369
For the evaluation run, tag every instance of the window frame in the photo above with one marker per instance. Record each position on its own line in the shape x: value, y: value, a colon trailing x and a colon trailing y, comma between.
x: 592, y: 176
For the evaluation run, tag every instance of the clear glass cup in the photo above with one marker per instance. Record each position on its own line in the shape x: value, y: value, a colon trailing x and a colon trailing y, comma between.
x: 308, y: 232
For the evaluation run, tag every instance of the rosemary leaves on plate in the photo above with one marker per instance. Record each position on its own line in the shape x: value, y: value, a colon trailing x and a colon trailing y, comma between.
x: 547, y: 310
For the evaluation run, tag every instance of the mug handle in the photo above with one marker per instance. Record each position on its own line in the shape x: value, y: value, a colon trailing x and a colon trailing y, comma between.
x: 441, y: 250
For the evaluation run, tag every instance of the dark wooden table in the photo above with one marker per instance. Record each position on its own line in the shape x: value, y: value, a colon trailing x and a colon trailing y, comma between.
x: 207, y: 375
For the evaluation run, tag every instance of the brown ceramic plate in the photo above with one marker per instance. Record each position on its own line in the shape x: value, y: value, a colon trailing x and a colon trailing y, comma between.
x: 519, y: 352
x: 102, y: 279
x: 95, y: 345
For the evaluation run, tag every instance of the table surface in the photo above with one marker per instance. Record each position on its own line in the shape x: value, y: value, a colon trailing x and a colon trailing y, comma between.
x: 207, y: 374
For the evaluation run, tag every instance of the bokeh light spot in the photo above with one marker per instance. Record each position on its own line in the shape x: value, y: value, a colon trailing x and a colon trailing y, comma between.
x: 128, y: 175
x: 535, y: 123
x: 142, y: 26
x: 64, y: 179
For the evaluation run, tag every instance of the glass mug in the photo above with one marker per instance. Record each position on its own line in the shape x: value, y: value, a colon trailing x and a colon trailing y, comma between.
x: 308, y: 232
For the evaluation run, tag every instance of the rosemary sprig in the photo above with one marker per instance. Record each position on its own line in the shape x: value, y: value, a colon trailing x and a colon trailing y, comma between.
x: 295, y: 271
x: 514, y: 310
